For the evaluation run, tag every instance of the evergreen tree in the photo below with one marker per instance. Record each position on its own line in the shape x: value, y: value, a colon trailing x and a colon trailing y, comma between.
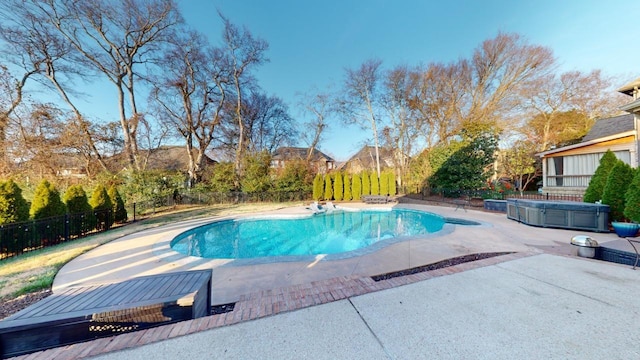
x: 338, y: 190
x: 469, y: 167
x: 13, y: 207
x: 78, y: 206
x: 599, y: 178
x: 615, y: 189
x: 632, y: 197
x: 384, y: 183
x: 46, y: 202
x: 119, y: 211
x: 100, y: 202
x: 296, y: 177
x: 76, y: 200
x: 100, y: 199
x: 356, y: 187
x: 328, y: 188
x: 375, y: 183
x: 347, y: 188
x: 366, y: 183
x: 318, y: 187
x: 257, y: 177
x: 392, y: 183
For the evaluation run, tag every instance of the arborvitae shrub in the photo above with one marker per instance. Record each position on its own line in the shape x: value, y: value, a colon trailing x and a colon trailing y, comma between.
x: 338, y: 190
x: 384, y: 183
x: 347, y: 188
x: 632, y: 197
x: 392, y: 183
x: 318, y: 187
x: 356, y: 187
x: 375, y: 183
x: 81, y: 219
x: 614, y: 191
x: 366, y: 183
x: 119, y: 211
x: 76, y: 200
x: 599, y: 179
x: 328, y: 188
x: 46, y: 202
x: 100, y: 201
x: 13, y: 207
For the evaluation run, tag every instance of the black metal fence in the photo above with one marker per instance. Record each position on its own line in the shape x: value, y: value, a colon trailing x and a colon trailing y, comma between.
x: 211, y: 198
x: 448, y: 194
x: 18, y: 238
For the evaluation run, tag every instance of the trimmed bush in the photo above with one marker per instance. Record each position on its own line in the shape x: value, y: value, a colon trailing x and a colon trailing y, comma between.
x: 356, y: 187
x: 347, y: 188
x: 384, y: 183
x: 46, y: 202
x: 13, y: 207
x: 76, y: 200
x: 338, y: 187
x: 599, y: 179
x: 81, y: 218
x: 632, y: 197
x: 119, y: 211
x: 375, y: 183
x: 366, y: 183
x: 318, y: 187
x: 391, y: 179
x: 100, y: 201
x: 328, y: 188
x: 615, y: 189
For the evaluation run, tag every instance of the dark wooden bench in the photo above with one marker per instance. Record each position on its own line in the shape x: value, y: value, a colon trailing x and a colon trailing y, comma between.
x: 375, y: 199
x: 83, y: 313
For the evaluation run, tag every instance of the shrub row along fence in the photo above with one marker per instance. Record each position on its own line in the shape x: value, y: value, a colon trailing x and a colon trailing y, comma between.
x: 18, y: 238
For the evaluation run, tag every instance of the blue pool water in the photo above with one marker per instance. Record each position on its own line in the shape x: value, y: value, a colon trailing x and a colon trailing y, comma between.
x: 328, y: 233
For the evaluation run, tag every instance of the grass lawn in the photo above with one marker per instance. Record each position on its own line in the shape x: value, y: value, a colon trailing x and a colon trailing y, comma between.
x: 35, y: 271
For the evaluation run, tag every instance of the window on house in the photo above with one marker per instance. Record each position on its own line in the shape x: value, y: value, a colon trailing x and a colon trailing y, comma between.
x: 576, y: 170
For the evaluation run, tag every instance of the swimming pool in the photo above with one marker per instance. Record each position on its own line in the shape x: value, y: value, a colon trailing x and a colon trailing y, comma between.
x: 329, y: 233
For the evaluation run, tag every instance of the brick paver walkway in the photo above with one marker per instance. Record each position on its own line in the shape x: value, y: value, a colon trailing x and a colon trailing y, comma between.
x: 260, y: 304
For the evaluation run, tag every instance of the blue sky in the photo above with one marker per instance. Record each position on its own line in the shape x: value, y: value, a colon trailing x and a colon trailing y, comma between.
x: 311, y: 43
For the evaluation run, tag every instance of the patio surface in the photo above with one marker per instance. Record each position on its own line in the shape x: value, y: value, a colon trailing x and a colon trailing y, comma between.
x: 538, y: 302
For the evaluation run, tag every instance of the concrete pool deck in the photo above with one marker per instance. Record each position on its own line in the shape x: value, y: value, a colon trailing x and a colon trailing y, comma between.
x: 492, y: 308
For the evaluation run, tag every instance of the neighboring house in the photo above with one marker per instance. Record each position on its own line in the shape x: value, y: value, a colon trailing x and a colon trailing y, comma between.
x: 169, y: 158
x: 569, y: 169
x: 321, y: 162
x: 365, y: 159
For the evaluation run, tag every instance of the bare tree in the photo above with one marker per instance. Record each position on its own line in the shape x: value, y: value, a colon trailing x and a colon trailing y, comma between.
x: 36, y: 46
x: 320, y: 105
x: 361, y: 96
x: 563, y: 107
x: 245, y: 52
x: 115, y: 39
x: 268, y: 124
x: 404, y: 124
x: 497, y: 72
x: 190, y: 93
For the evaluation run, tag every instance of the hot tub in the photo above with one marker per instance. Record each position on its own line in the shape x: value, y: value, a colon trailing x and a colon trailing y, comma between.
x: 560, y: 214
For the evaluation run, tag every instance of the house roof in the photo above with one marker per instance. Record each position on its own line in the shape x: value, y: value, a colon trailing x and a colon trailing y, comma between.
x: 289, y: 153
x: 628, y: 88
x: 603, y: 130
x: 610, y: 126
x: 366, y: 157
x: 162, y: 158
